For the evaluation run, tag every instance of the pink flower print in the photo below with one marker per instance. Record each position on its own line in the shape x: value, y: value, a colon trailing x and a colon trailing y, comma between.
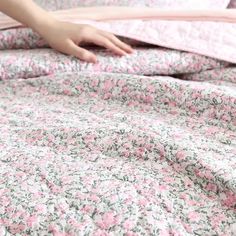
x: 161, y: 150
x: 118, y: 219
x: 211, y: 130
x: 94, y: 82
x: 192, y: 202
x: 97, y: 67
x: 66, y: 179
x: 193, y: 216
x: 128, y: 224
x: 187, y: 227
x: 67, y: 92
x: 149, y: 99
x: 234, y: 122
x: 172, y: 104
x: 169, y: 179
x: 140, y: 151
x: 32, y: 220
x: 100, y: 232
x: 174, y: 112
x: 94, y: 198
x: 107, y: 96
x: 108, y: 220
x: 183, y: 196
x: 208, y: 175
x: 165, y: 233
x: 193, y: 109
x: 108, y: 85
x: 162, y: 188
x: 129, y: 200
x: 230, y: 199
x: 10, y: 210
x: 89, y: 138
x: 218, y: 218
x: 211, y: 187
x: 41, y: 209
x: 2, y: 191
x: 79, y: 88
x: 151, y: 89
x: 181, y: 155
x: 19, y: 213
x: 125, y: 153
x: 143, y: 202
x: 5, y: 201
x: 109, y: 69
x: 178, y: 167
x: 17, y: 228
x: 199, y: 173
x: 87, y: 209
x: 121, y: 83
x: 56, y: 189
x: 93, y: 95
x: 125, y: 89
x: 53, y: 228
x: 196, y: 95
x: 64, y: 207
x: 226, y: 117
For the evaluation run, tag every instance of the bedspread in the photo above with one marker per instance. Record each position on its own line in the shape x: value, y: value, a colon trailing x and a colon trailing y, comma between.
x: 138, y: 145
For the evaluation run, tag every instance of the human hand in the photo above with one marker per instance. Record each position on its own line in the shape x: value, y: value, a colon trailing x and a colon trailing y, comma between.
x: 68, y: 37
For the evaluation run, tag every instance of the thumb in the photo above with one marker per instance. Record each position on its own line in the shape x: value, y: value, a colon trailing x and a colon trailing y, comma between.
x: 80, y: 53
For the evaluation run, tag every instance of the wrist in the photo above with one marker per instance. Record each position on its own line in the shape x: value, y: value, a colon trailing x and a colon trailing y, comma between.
x: 43, y: 23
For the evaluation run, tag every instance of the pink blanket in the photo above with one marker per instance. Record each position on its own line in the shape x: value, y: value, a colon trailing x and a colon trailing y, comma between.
x: 177, y: 29
x: 127, y: 13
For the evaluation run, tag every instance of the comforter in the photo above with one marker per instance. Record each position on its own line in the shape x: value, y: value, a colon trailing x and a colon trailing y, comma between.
x: 138, y: 145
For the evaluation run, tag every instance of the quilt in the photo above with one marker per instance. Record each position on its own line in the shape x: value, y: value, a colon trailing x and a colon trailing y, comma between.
x: 138, y: 145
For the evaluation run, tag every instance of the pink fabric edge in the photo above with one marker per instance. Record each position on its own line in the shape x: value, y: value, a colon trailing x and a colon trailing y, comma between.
x: 125, y: 13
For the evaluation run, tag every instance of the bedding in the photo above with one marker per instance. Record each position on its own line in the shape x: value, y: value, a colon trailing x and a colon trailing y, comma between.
x: 177, y: 29
x: 138, y: 145
x: 176, y: 4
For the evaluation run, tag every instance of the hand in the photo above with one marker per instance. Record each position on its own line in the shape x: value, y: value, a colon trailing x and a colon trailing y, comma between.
x: 66, y: 38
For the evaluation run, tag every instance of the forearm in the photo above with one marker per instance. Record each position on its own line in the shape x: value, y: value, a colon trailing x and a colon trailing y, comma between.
x: 27, y: 12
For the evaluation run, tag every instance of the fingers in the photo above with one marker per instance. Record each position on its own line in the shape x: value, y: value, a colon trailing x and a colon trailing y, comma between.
x: 117, y: 42
x: 80, y: 53
x: 104, y: 42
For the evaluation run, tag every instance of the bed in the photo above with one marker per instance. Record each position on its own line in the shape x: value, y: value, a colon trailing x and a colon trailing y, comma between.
x: 138, y: 145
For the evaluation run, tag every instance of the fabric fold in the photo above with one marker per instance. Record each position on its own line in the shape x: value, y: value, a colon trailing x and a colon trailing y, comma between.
x: 127, y: 13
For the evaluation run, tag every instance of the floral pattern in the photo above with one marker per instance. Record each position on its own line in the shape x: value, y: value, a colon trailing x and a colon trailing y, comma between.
x: 195, y: 4
x: 138, y: 145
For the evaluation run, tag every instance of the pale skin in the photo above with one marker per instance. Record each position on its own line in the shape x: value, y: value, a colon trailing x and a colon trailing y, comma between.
x: 63, y: 37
